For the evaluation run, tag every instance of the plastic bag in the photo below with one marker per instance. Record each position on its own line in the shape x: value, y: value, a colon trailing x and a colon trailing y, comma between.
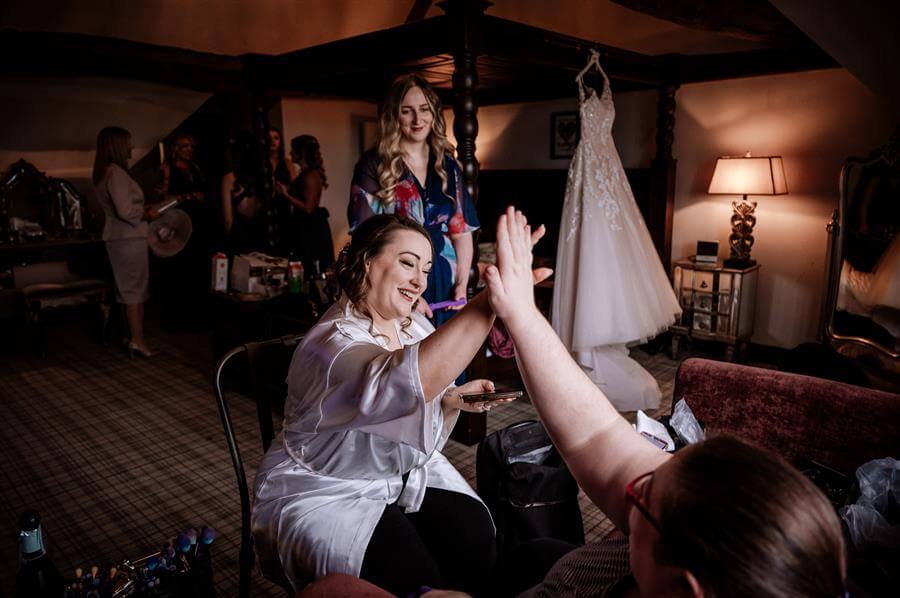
x: 873, y: 524
x: 685, y: 424
x: 874, y: 521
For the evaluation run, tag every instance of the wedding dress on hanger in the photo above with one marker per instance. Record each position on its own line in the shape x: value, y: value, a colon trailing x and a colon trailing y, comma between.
x: 611, y: 288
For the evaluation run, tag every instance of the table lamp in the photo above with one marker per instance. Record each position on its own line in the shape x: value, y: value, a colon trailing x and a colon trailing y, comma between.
x: 746, y: 175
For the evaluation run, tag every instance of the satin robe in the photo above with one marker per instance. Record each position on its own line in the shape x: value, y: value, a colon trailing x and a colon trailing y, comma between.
x: 356, y: 420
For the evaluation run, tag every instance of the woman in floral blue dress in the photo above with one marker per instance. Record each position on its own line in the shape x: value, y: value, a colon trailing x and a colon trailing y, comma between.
x: 412, y: 172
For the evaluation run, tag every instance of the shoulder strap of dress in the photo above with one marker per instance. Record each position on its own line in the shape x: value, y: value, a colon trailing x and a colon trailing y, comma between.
x: 593, y: 61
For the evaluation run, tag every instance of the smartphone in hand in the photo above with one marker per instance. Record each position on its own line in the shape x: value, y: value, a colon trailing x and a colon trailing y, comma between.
x: 487, y: 397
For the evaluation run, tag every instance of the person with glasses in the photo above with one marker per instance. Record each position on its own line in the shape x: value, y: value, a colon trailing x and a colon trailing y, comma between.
x: 718, y: 518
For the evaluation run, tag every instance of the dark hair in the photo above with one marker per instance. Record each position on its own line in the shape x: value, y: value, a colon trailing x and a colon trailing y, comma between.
x: 280, y: 145
x: 112, y: 148
x: 307, y: 147
x: 747, y: 524
x: 368, y: 242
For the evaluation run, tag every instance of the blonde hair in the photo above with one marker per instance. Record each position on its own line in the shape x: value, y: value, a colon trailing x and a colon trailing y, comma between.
x: 112, y: 148
x: 390, y: 170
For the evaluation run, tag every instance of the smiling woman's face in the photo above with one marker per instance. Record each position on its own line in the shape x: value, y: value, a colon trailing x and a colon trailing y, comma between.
x: 416, y: 117
x: 398, y: 275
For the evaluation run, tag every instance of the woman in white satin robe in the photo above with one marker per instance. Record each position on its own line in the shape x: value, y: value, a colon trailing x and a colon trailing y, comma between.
x: 370, y: 405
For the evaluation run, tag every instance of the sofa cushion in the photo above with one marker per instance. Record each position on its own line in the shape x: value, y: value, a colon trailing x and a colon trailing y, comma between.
x: 836, y: 424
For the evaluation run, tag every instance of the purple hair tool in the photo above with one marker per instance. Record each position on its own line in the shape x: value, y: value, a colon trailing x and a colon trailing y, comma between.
x: 446, y: 304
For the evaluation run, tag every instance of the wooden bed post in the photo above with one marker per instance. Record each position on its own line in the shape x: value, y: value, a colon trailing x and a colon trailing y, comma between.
x: 465, y: 35
x: 260, y: 125
x: 662, y: 183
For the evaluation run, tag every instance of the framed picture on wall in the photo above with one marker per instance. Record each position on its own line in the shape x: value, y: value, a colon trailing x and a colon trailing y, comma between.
x: 368, y: 134
x: 564, y: 134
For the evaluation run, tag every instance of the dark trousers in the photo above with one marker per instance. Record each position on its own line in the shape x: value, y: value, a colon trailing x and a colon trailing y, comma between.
x: 447, y: 544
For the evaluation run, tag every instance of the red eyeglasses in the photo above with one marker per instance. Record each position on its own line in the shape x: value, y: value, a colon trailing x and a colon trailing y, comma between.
x: 638, y: 503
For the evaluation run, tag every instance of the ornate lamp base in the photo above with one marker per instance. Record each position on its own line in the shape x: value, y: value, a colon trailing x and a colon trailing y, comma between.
x: 741, y: 239
x: 739, y: 263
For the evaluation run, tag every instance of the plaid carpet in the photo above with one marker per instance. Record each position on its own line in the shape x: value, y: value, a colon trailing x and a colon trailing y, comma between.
x: 118, y: 456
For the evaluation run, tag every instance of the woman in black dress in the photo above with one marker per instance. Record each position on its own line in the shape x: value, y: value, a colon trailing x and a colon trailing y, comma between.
x: 309, y: 235
x: 183, y: 278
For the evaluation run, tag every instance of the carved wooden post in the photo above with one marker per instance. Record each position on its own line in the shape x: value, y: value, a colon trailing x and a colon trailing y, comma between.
x: 662, y: 190
x: 465, y: 121
x: 263, y: 170
x: 465, y: 33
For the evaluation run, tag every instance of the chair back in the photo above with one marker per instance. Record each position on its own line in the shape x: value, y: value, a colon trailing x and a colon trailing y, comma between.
x: 267, y: 363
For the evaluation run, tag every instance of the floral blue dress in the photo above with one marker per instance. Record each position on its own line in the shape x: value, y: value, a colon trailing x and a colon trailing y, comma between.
x: 442, y: 214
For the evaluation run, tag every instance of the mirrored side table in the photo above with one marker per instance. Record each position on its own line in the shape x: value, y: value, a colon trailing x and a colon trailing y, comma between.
x: 718, y: 304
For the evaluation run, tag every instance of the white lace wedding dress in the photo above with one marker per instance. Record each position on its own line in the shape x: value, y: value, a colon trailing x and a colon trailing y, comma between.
x: 610, y: 288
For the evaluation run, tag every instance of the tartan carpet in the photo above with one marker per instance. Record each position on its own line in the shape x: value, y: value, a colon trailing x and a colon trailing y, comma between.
x: 120, y: 455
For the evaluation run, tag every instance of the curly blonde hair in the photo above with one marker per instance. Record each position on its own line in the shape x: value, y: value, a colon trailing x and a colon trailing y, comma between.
x: 390, y: 170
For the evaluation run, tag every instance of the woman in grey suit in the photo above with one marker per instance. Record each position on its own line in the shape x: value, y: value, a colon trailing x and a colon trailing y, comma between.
x: 125, y: 229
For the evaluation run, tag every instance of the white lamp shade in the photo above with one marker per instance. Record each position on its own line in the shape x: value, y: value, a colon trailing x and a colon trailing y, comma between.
x: 743, y: 175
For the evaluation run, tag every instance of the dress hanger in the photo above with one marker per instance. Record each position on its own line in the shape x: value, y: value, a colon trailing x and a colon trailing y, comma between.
x: 594, y: 61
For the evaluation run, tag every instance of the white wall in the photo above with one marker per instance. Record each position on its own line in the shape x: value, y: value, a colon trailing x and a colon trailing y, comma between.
x: 336, y: 124
x: 813, y: 119
x: 517, y: 136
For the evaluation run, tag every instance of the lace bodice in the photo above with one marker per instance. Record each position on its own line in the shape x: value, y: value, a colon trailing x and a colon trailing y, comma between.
x: 597, y: 113
x: 596, y: 173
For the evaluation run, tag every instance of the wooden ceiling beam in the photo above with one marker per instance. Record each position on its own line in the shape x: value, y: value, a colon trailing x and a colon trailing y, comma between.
x: 754, y: 20
x: 512, y: 59
x: 418, y: 11
x: 732, y: 65
x: 49, y: 54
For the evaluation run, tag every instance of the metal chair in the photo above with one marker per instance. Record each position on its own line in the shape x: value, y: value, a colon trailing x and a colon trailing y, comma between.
x: 267, y: 364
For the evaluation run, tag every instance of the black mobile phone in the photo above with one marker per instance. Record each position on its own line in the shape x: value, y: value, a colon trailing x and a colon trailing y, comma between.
x: 487, y: 397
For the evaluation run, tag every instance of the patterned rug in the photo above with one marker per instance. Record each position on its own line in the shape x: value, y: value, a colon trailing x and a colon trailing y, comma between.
x: 119, y: 455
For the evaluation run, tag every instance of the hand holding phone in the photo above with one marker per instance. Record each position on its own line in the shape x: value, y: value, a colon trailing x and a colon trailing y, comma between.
x: 490, y: 397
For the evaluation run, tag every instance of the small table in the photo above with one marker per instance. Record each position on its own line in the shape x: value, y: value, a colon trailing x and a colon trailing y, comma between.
x: 718, y: 304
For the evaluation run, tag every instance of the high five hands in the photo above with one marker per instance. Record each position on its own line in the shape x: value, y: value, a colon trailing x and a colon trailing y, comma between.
x: 511, y: 282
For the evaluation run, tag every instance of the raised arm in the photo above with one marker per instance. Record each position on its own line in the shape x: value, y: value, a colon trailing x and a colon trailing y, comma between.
x: 450, y: 349
x: 602, y: 450
x: 447, y: 352
x: 465, y: 251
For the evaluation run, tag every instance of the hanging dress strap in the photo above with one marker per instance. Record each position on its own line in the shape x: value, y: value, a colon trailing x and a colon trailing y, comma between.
x: 593, y: 61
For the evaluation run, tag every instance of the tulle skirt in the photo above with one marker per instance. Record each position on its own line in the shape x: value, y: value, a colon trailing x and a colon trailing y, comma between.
x: 610, y: 284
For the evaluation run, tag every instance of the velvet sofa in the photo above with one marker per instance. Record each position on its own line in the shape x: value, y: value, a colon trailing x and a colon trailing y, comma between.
x: 800, y: 417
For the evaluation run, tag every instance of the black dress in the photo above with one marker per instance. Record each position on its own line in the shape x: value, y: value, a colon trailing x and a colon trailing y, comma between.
x: 309, y: 235
x: 183, y: 278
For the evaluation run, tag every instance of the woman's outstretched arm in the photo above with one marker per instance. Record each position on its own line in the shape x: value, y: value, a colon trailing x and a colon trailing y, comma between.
x: 444, y: 354
x: 602, y: 450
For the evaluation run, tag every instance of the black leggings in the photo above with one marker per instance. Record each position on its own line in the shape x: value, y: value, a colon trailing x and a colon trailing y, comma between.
x: 447, y: 544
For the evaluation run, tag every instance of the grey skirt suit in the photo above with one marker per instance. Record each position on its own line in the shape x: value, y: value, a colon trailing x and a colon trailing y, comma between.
x: 125, y: 233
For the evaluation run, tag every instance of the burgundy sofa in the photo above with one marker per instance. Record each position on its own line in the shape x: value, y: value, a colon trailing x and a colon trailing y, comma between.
x: 836, y: 424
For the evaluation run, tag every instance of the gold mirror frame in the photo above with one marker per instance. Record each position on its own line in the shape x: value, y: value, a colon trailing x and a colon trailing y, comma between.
x: 837, y: 249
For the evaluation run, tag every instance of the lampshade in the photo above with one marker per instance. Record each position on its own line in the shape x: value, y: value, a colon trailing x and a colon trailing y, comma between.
x: 746, y: 175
